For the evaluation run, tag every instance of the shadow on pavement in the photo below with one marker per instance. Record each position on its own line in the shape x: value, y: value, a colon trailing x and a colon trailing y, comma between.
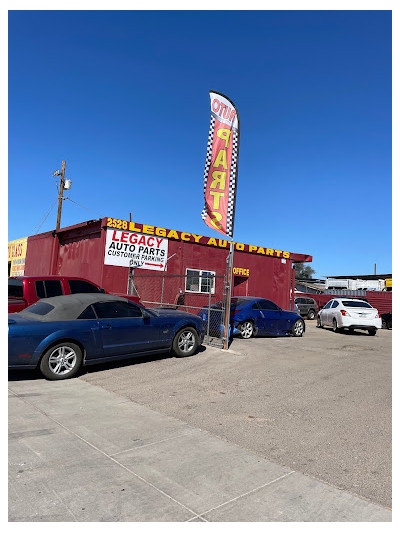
x: 359, y: 333
x: 26, y: 375
x: 100, y: 367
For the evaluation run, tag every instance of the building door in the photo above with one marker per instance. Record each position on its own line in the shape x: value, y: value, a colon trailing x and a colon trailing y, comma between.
x: 239, y: 286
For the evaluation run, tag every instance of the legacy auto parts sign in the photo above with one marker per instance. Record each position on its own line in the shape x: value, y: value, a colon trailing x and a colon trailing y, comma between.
x: 131, y: 249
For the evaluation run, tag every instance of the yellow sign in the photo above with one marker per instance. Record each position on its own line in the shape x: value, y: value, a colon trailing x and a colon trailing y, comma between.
x: 16, y: 257
x: 388, y: 283
x: 191, y: 237
x: 241, y: 271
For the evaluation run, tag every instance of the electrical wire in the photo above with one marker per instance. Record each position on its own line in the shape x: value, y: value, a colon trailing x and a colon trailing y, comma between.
x: 52, y: 206
x: 68, y: 198
x: 45, y: 217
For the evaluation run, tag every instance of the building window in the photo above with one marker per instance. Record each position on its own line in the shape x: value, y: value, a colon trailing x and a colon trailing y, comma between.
x: 200, y: 281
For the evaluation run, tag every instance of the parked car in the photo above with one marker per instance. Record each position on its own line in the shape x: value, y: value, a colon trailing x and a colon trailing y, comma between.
x: 387, y: 320
x: 308, y: 307
x: 60, y: 334
x: 348, y: 313
x: 26, y: 290
x: 295, y: 308
x: 255, y: 316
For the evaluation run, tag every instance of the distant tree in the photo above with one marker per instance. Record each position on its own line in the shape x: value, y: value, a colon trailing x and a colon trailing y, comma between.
x: 303, y: 272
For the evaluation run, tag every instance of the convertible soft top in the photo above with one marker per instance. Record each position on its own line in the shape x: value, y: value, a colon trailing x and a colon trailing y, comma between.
x: 67, y: 307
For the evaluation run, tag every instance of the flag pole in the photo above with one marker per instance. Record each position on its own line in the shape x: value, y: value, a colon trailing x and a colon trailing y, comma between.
x: 222, y: 154
x: 228, y: 295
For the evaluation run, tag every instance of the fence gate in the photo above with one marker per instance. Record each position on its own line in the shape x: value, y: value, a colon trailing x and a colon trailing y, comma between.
x: 201, y: 295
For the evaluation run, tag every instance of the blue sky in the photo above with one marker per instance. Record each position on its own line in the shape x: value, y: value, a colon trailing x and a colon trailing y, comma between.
x: 123, y: 97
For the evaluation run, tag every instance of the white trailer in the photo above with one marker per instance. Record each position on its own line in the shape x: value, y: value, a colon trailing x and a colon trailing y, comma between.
x: 355, y: 284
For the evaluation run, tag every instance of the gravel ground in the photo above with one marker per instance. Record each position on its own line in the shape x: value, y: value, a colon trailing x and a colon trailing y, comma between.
x: 320, y: 404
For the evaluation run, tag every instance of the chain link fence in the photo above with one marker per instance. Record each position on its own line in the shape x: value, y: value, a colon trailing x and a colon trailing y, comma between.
x: 203, y: 295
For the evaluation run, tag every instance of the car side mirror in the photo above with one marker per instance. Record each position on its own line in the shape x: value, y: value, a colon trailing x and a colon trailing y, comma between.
x: 146, y: 315
x: 102, y: 291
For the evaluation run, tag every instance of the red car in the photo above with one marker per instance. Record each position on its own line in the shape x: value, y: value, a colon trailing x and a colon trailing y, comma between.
x: 24, y: 291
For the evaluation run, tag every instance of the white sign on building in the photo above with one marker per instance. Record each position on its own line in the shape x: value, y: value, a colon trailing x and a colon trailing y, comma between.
x: 131, y: 249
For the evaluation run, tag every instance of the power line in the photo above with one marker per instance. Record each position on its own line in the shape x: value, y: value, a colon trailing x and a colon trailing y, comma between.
x: 45, y: 217
x: 67, y: 198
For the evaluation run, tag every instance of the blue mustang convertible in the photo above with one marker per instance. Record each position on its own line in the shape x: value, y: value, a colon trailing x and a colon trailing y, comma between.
x: 60, y: 334
x: 250, y: 316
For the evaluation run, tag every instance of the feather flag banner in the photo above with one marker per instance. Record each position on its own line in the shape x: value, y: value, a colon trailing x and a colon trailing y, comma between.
x: 221, y: 169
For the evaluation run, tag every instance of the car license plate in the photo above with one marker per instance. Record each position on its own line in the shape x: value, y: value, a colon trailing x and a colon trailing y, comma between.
x: 362, y: 314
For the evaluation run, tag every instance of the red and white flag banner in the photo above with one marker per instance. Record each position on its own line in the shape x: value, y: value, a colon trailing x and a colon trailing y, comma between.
x: 220, y: 173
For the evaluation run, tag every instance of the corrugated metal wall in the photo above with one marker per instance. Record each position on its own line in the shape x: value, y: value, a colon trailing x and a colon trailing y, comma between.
x: 81, y: 255
x: 380, y: 300
x: 348, y: 292
x: 39, y: 254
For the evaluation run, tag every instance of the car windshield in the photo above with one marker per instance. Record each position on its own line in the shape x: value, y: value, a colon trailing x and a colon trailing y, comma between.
x: 354, y: 303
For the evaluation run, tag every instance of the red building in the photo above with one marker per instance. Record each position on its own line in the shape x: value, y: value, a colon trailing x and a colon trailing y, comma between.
x: 102, y: 251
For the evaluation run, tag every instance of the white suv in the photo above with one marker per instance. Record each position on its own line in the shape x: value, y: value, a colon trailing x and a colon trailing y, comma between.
x: 349, y: 313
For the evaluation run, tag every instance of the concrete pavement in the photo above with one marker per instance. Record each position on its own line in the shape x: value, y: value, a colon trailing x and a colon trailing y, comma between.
x: 320, y: 404
x: 80, y: 453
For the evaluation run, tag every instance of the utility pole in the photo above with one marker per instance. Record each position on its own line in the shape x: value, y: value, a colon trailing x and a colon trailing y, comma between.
x: 60, y: 195
x: 228, y: 289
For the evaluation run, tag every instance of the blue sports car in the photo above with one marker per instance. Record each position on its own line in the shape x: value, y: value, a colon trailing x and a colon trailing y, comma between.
x: 255, y: 316
x: 60, y: 334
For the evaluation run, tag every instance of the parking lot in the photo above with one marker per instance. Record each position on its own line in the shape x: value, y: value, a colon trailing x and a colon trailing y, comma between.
x: 320, y: 404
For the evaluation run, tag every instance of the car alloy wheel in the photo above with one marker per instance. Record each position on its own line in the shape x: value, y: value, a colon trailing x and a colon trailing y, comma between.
x: 319, y: 323
x: 246, y: 329
x: 185, y: 342
x: 298, y: 328
x: 311, y: 315
x: 61, y: 361
x: 335, y: 327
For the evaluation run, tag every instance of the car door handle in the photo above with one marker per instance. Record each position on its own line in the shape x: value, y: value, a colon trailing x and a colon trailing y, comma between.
x: 106, y: 326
